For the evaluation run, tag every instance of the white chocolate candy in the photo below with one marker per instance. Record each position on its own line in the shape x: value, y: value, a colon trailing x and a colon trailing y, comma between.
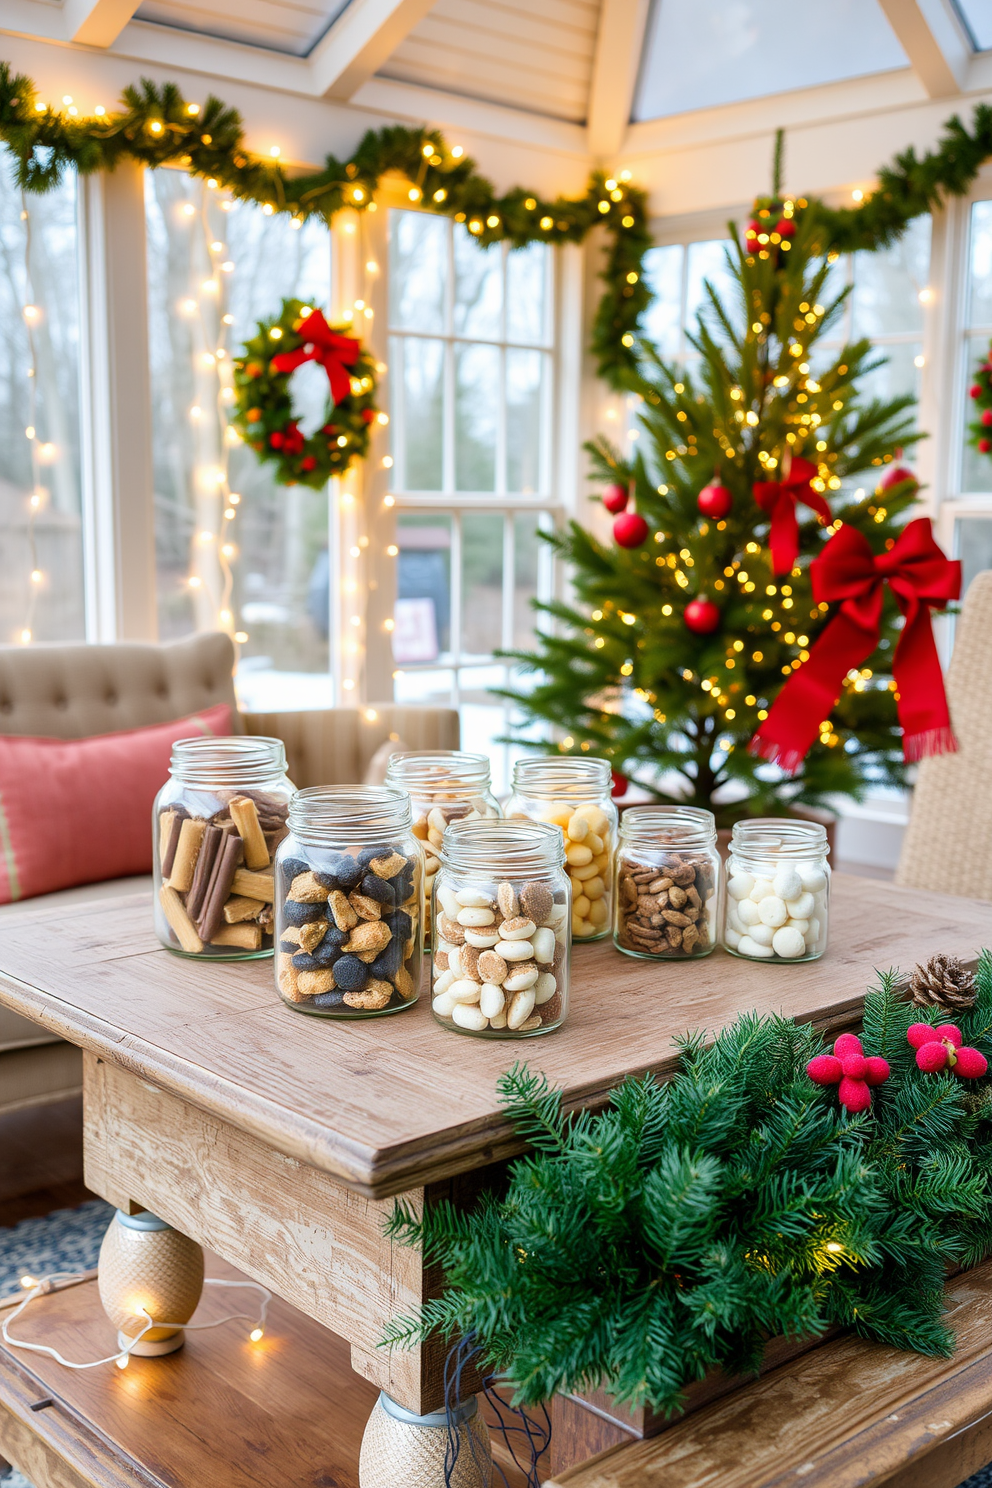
x: 787, y: 883
x: 800, y: 907
x: 519, y: 1008
x: 448, y: 903
x: 518, y: 929
x: 762, y: 934
x: 543, y: 941
x: 813, y: 877
x: 747, y: 912
x: 483, y: 940
x: 762, y: 889
x: 464, y: 990
x: 491, y: 1000
x: 732, y: 937
x: 749, y: 947
x: 801, y: 925
x: 515, y: 950
x: 788, y: 943
x: 498, y: 1020
x: 772, y: 911
x: 473, y: 899
x: 443, y: 982
x: 443, y: 1005
x: 469, y: 1017
x: 519, y: 981
x: 734, y: 921
x: 740, y: 885
x: 544, y: 988
x: 476, y: 918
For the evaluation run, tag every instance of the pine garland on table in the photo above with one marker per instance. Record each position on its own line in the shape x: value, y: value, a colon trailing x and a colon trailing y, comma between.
x: 690, y: 1221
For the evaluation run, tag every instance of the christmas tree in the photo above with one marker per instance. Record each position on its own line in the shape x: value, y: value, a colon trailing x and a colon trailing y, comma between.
x: 681, y: 633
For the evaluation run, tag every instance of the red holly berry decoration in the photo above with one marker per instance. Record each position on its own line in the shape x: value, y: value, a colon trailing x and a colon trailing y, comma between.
x: 714, y: 501
x: 630, y: 530
x: 894, y: 476
x: 701, y: 615
x: 620, y: 784
x: 786, y: 227
x: 852, y: 1070
x: 615, y: 498
x: 984, y: 445
x: 751, y: 237
x: 974, y: 391
x: 987, y: 416
x: 941, y: 1048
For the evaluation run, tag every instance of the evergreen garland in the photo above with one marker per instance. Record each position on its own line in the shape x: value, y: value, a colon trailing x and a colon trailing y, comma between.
x: 692, y: 1220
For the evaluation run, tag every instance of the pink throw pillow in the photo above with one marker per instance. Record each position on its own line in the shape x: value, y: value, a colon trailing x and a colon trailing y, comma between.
x: 78, y: 811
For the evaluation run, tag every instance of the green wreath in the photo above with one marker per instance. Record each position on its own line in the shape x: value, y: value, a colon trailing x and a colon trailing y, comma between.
x: 265, y: 417
x: 981, y: 392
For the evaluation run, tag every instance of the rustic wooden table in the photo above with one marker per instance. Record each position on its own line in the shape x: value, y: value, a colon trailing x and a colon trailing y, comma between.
x: 278, y: 1140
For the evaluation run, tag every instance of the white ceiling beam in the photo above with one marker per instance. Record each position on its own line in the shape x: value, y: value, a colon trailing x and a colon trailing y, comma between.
x: 934, y: 41
x: 363, y: 37
x: 97, y: 22
x: 619, y: 43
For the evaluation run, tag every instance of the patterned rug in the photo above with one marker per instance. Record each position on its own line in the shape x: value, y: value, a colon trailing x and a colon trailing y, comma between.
x: 69, y: 1240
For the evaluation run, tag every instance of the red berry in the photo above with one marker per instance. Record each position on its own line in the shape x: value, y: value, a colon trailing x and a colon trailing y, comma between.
x: 276, y: 440
x: 894, y: 476
x: 854, y: 1095
x: 848, y: 1043
x: 951, y: 1033
x: 975, y: 391
x: 630, y: 530
x: 308, y: 463
x: 919, y: 1034
x: 824, y: 1070
x: 620, y: 784
x: 985, y: 445
x: 615, y: 498
x: 878, y: 1070
x: 714, y: 501
x: 987, y: 416
x: 931, y: 1058
x: 701, y: 615
x: 786, y: 227
x: 368, y: 414
x: 855, y: 1066
x: 971, y: 1064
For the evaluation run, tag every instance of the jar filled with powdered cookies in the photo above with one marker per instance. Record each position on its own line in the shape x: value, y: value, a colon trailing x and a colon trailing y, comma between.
x: 668, y: 873
x: 349, y: 903
x: 215, y: 829
x: 444, y: 785
x: 574, y: 793
x: 502, y: 918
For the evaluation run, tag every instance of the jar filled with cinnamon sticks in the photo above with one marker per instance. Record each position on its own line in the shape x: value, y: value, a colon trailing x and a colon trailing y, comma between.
x: 216, y: 826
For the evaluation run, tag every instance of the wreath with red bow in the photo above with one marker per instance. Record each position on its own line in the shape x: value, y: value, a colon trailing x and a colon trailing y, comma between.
x: 265, y: 416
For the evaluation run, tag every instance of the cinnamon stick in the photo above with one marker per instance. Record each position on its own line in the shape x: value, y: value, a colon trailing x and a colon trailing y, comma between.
x: 226, y: 866
x: 246, y: 936
x: 172, y: 842
x: 165, y: 824
x: 191, y: 836
x: 212, y: 838
x: 244, y: 814
x: 175, y: 913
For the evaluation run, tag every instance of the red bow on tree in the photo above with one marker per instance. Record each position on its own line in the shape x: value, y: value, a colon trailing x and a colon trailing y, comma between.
x: 334, y: 353
x: 779, y: 499
x: 848, y: 573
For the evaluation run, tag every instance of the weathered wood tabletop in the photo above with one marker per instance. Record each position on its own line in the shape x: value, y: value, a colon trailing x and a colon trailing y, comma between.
x: 393, y: 1103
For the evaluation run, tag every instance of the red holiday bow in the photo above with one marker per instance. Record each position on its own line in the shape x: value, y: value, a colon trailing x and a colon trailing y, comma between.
x: 779, y: 499
x: 334, y: 353
x: 848, y: 573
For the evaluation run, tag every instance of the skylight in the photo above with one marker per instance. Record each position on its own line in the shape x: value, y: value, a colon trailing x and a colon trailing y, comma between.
x: 707, y: 52
x: 977, y: 17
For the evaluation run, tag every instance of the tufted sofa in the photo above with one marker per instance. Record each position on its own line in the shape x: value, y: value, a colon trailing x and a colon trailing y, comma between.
x: 74, y: 691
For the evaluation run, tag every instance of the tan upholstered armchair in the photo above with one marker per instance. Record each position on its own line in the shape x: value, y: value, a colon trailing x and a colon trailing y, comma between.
x: 74, y: 691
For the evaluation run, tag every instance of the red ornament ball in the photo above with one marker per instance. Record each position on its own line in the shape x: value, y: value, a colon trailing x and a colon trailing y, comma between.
x: 615, y: 498
x: 620, y: 784
x: 701, y: 615
x: 630, y: 530
x: 751, y: 237
x: 985, y: 445
x: 714, y: 501
x: 987, y: 415
x: 975, y: 391
x: 786, y: 227
x: 894, y: 476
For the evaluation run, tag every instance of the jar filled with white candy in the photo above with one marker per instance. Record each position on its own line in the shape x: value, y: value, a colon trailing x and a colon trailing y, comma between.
x: 444, y: 785
x: 502, y: 917
x: 575, y: 793
x: 778, y: 890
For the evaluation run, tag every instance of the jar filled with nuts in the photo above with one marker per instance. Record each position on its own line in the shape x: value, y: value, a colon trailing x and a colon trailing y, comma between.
x: 499, y: 963
x: 575, y: 794
x: 668, y: 874
x: 215, y: 828
x: 444, y: 785
x: 778, y: 890
x: 349, y: 903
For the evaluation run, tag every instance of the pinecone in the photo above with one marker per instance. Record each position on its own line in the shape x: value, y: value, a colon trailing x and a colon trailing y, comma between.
x: 943, y: 983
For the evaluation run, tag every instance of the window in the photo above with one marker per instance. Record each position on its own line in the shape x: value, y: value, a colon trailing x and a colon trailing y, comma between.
x: 971, y: 471
x: 234, y: 550
x: 977, y: 20
x: 41, y: 541
x: 470, y: 359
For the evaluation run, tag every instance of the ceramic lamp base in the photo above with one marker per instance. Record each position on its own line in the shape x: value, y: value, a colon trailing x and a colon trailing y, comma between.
x: 401, y: 1448
x: 153, y: 1349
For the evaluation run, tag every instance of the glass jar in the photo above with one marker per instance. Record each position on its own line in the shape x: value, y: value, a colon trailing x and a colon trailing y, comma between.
x: 575, y: 794
x: 349, y: 903
x: 215, y: 828
x: 778, y: 890
x: 668, y: 875
x: 499, y: 962
x: 444, y: 785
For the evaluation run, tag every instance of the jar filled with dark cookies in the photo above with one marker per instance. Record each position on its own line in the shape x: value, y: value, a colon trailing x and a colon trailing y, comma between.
x: 349, y: 903
x: 668, y: 876
x: 502, y: 929
x: 216, y: 826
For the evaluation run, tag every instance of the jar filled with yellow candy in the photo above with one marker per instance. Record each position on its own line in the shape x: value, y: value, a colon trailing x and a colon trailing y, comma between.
x: 575, y: 794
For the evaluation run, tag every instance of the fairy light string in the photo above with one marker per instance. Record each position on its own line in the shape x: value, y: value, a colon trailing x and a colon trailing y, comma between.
x: 31, y: 315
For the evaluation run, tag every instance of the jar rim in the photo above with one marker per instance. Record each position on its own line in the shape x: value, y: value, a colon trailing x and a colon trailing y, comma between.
x: 568, y: 775
x: 325, y: 814
x: 227, y: 759
x: 664, y: 826
x: 431, y: 771
x: 502, y: 849
x: 780, y: 837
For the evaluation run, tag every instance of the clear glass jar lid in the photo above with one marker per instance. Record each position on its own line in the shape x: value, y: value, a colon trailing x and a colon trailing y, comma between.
x: 427, y: 772
x: 779, y: 837
x: 502, y: 849
x: 328, y: 814
x: 667, y: 826
x: 236, y: 759
x: 572, y: 775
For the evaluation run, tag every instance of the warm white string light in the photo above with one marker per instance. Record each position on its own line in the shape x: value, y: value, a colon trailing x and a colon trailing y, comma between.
x: 40, y: 452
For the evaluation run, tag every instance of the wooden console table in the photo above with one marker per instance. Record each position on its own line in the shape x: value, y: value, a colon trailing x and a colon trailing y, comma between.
x: 277, y: 1141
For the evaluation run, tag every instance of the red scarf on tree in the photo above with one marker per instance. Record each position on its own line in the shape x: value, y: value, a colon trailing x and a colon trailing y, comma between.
x: 847, y: 573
